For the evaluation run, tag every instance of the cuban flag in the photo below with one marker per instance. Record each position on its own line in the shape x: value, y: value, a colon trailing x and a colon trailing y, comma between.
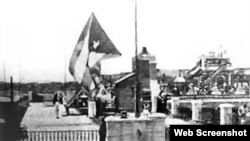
x: 93, y: 46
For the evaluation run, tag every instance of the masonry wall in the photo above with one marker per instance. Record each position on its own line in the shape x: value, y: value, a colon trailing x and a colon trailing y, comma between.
x: 153, y: 71
x: 150, y: 128
x: 125, y: 93
x: 144, y: 73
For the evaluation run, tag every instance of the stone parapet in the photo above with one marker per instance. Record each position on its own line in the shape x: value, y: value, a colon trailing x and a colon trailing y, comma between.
x: 174, y: 105
x: 226, y: 114
x: 196, y: 110
x: 150, y: 128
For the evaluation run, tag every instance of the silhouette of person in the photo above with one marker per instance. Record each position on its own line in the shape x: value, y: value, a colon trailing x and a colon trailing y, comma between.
x: 103, y: 130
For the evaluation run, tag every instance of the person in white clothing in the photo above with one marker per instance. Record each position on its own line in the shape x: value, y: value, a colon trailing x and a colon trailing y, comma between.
x: 58, y: 101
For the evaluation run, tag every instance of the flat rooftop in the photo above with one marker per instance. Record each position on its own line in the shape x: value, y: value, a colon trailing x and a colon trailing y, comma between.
x: 40, y: 117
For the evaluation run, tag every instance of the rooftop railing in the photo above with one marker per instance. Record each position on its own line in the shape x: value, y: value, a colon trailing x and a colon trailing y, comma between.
x: 75, y: 135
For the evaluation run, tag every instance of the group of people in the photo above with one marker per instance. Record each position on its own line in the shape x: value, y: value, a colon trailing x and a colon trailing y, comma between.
x: 216, y: 89
x: 236, y: 88
x: 104, y: 97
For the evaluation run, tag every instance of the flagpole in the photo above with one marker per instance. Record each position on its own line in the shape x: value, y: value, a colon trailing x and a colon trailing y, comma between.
x: 4, y: 75
x: 20, y: 74
x: 137, y: 100
x: 65, y: 74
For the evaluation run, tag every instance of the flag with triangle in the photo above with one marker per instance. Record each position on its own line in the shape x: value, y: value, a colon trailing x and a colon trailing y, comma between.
x: 93, y: 46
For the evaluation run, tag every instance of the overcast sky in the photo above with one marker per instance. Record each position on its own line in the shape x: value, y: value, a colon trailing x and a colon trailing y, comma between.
x: 37, y: 37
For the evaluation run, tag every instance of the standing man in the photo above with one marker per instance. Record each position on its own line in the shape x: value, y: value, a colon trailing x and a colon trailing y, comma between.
x: 115, y: 100
x: 57, y: 101
x: 108, y: 96
x: 65, y: 101
x: 242, y: 111
x: 161, y: 101
x: 103, y: 130
x: 100, y: 101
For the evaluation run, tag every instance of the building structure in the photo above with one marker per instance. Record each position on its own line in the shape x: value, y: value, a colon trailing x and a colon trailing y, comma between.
x: 125, y: 86
x: 222, y: 84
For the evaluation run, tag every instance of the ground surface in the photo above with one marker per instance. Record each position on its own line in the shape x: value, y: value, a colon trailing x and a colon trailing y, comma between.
x: 42, y: 117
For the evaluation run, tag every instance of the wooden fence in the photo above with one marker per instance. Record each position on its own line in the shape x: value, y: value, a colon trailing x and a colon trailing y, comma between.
x: 76, y: 135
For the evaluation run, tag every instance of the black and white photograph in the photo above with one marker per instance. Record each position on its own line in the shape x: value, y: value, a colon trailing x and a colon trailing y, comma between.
x: 123, y: 70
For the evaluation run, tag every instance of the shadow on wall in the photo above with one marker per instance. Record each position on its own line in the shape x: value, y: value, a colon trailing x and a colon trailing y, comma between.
x: 185, y: 113
x: 210, y: 116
